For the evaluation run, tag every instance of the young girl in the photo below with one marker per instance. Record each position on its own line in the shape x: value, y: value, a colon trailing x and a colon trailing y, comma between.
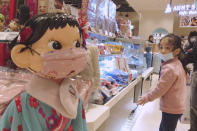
x: 172, y: 83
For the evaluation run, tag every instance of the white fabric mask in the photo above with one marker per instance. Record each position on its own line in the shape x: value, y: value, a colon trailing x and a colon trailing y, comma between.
x: 166, y: 57
x: 193, y: 39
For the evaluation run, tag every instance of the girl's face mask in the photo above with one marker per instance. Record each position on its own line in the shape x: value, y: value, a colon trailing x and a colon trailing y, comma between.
x: 166, y: 57
x: 63, y: 63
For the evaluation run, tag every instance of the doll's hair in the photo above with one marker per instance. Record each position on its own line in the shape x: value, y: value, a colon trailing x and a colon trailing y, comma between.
x: 39, y: 25
x: 177, y: 44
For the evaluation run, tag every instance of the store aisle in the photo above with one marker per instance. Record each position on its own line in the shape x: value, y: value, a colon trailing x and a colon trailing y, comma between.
x: 149, y: 116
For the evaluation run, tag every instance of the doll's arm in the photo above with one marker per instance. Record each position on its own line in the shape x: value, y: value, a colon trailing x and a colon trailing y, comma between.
x: 79, y: 124
x: 95, y: 62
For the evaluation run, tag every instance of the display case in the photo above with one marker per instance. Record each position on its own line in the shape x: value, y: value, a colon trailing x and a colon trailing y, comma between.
x: 121, y: 62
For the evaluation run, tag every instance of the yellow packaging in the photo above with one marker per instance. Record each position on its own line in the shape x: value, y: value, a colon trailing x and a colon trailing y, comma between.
x: 114, y: 49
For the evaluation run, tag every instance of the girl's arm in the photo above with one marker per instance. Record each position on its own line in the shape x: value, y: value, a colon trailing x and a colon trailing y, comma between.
x: 166, y: 81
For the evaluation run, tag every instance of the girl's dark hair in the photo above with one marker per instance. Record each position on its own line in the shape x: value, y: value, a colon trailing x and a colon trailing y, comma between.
x: 39, y: 25
x: 177, y: 43
x: 149, y: 38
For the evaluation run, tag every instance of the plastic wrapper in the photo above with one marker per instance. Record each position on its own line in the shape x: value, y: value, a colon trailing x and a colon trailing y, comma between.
x: 109, y: 87
x: 97, y: 97
x: 84, y: 88
x: 12, y: 83
x: 121, y: 63
x: 112, y: 10
x: 15, y: 75
x: 8, y: 91
x: 91, y: 12
x: 120, y: 76
x: 112, y: 18
x: 134, y: 54
x: 102, y: 16
x: 103, y: 50
x: 109, y: 68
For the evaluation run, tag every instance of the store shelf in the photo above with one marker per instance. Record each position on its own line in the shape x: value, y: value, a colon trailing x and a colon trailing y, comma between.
x: 122, y: 93
x: 114, y: 55
x: 133, y: 41
x: 96, y: 115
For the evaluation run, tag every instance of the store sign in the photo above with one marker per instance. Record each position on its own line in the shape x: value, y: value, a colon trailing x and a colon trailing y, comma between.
x: 191, y: 12
x: 168, y: 9
x: 182, y: 9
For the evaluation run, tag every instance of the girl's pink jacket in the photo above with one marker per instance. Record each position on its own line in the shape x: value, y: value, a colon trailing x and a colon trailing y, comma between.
x: 171, y: 88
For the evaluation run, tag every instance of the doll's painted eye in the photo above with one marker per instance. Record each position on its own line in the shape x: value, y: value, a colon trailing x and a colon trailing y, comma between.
x: 54, y: 45
x: 76, y: 44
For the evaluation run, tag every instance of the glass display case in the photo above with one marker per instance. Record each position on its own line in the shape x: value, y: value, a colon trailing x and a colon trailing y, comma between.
x: 120, y: 64
x: 122, y: 68
x: 135, y: 56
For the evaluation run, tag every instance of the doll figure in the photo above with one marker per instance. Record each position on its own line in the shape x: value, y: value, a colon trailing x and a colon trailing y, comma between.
x: 52, y: 47
x: 2, y: 21
x: 13, y: 26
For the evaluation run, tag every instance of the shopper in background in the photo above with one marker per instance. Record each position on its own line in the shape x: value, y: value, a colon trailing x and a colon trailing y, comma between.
x: 24, y: 15
x: 148, y: 49
x: 191, y: 57
x: 151, y: 39
x: 172, y: 83
x: 191, y: 40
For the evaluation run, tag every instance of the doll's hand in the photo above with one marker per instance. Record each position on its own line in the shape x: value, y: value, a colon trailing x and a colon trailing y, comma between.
x: 141, y: 101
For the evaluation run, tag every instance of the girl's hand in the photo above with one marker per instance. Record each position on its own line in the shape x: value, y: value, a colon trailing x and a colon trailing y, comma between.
x: 141, y: 101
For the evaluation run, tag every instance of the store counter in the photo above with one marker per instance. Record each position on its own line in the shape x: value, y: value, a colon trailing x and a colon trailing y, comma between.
x: 96, y: 115
x: 146, y: 74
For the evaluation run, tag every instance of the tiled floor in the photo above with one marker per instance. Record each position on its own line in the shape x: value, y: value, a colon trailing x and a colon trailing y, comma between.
x: 150, y: 116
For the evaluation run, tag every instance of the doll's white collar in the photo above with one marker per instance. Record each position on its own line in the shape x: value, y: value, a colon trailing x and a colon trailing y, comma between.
x: 63, y: 98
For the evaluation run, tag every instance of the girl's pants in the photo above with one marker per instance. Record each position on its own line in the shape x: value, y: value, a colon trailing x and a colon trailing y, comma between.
x: 169, y: 121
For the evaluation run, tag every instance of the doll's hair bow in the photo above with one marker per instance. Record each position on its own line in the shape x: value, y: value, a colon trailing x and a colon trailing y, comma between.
x: 84, y: 24
x: 25, y: 34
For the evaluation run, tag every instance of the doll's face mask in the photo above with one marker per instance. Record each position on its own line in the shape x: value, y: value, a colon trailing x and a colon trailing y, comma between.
x: 63, y: 63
